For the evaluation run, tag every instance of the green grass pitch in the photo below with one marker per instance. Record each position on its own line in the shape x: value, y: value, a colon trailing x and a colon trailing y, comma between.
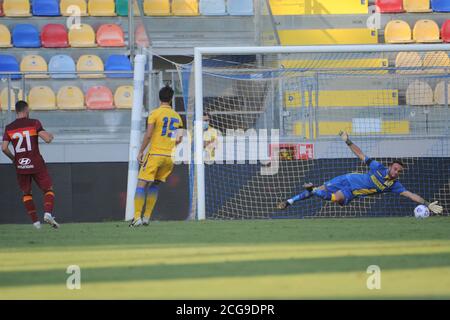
x: 273, y: 259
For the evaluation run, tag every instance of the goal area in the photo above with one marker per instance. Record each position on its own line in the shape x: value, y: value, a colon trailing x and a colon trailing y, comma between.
x: 275, y: 114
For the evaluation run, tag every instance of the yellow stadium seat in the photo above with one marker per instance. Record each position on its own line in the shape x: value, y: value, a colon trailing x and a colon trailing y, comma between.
x: 90, y: 63
x: 439, y: 94
x: 419, y: 93
x: 432, y: 60
x: 82, y: 36
x: 34, y: 63
x: 185, y: 7
x: 345, y: 98
x: 42, y: 98
x: 11, y: 99
x: 157, y: 8
x: 408, y: 60
x: 16, y: 8
x: 426, y: 31
x: 123, y: 97
x: 79, y: 7
x: 318, y: 7
x: 70, y: 98
x: 102, y: 8
x: 417, y: 5
x: 5, y: 37
x: 397, y: 31
x: 328, y: 36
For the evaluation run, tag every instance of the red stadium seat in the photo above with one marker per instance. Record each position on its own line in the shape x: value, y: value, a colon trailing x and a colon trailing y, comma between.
x: 110, y: 35
x: 389, y: 6
x: 1, y: 9
x: 445, y: 31
x: 99, y: 98
x: 54, y: 36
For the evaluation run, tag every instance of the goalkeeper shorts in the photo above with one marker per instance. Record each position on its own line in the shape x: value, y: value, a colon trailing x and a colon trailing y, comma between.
x: 342, y: 184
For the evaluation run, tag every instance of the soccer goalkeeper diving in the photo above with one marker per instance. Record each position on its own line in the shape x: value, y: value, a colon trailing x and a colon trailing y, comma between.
x: 343, y: 189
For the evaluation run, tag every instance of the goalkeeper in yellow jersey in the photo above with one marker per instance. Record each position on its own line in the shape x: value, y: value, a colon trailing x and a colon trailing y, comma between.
x: 163, y: 135
x: 343, y: 189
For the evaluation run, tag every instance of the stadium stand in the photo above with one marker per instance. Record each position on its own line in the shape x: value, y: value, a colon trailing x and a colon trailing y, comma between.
x: 185, y: 7
x: 10, y: 99
x: 302, y: 7
x: 240, y: 7
x: 26, y: 36
x: 102, y: 8
x: 110, y: 35
x: 213, y: 7
x: 41, y: 98
x: 440, y: 5
x: 417, y: 6
x: 54, y: 36
x: 99, y: 98
x: 157, y: 7
x: 117, y: 62
x: 434, y: 61
x: 405, y: 60
x: 389, y: 6
x: 419, y: 93
x: 328, y: 36
x: 8, y: 63
x: 90, y: 63
x: 62, y: 67
x: 440, y: 96
x: 69, y: 7
x: 34, y: 63
x: 16, y: 8
x: 5, y: 37
x: 70, y: 98
x: 445, y: 31
x: 426, y: 31
x: 82, y: 37
x: 397, y: 31
x: 49, y: 8
x: 123, y: 97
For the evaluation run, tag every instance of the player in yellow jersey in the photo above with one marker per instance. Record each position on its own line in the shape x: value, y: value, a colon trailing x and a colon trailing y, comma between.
x: 163, y: 135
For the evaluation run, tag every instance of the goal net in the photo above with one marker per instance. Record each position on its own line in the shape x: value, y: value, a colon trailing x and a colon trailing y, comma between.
x: 275, y: 114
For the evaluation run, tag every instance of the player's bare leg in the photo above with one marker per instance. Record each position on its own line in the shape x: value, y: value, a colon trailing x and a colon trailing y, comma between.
x: 309, y: 187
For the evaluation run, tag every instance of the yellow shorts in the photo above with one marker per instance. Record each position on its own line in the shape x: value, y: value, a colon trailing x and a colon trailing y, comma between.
x: 156, y: 168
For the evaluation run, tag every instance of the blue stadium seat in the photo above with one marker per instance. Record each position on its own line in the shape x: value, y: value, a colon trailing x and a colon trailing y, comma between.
x: 212, y: 7
x: 240, y: 7
x: 26, y: 36
x: 49, y: 8
x: 117, y: 62
x: 9, y: 63
x: 62, y: 63
x: 440, y: 5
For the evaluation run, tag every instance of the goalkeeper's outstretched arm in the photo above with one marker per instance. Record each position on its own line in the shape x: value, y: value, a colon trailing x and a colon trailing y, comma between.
x: 355, y: 149
x: 433, y: 206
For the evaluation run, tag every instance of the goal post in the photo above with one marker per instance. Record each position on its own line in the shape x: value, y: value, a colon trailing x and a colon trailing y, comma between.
x: 290, y: 102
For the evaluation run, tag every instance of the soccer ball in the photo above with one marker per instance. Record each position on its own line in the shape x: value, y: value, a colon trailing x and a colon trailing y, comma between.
x: 421, y: 212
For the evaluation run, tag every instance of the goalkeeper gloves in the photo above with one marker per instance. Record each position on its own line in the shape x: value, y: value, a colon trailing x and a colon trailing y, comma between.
x: 434, y: 207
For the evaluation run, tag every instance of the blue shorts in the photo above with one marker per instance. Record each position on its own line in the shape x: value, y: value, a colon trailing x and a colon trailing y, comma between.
x: 342, y: 184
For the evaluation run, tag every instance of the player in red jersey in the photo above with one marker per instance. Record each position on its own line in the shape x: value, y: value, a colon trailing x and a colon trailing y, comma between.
x: 24, y: 135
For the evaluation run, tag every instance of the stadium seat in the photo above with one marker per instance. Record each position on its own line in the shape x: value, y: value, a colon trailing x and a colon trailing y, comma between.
x: 8, y: 63
x: 11, y: 99
x: 240, y: 7
x: 54, y: 36
x: 41, y: 98
x: 48, y: 8
x: 122, y: 8
x: 308, y: 7
x: 440, y: 95
x: 213, y: 7
x: 397, y: 31
x: 140, y: 36
x: 389, y: 6
x: 419, y: 93
x: 445, y: 31
x: 5, y: 37
x: 117, y: 62
x: 90, y: 63
x: 16, y: 8
x: 434, y: 60
x: 70, y: 98
x: 417, y: 5
x: 26, y: 36
x: 2, y: 14
x: 99, y: 98
x: 102, y: 8
x: 185, y: 7
x: 82, y: 37
x: 408, y: 60
x: 110, y: 35
x: 426, y: 31
x: 328, y: 36
x: 440, y: 5
x: 71, y: 7
x: 157, y: 8
x: 62, y: 67
x: 123, y: 97
x: 34, y: 63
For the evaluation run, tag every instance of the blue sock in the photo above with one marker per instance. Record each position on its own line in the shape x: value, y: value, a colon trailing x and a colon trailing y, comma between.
x: 302, y: 196
x: 324, y: 194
